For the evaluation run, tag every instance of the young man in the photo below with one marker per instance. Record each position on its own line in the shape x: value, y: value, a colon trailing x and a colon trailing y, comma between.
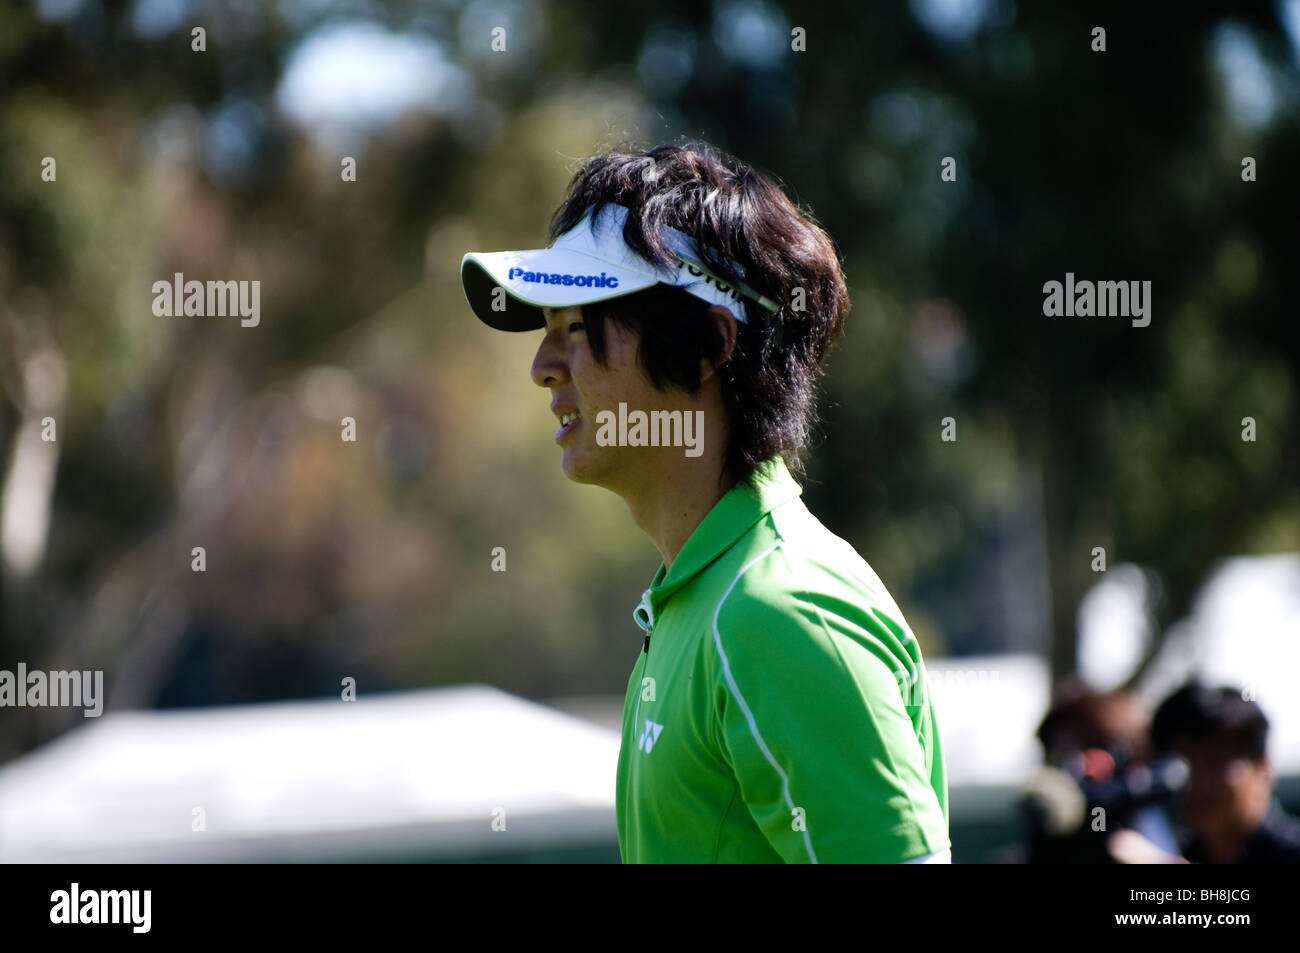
x: 1228, y: 802
x: 779, y: 708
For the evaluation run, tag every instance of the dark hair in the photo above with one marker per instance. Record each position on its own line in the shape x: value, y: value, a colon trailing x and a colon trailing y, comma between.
x: 733, y: 212
x: 1082, y: 718
x: 1197, y: 714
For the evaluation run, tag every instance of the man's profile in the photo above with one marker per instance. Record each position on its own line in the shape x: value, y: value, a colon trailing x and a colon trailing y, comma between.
x: 779, y: 709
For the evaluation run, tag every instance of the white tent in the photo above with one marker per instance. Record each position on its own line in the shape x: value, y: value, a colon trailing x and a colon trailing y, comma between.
x: 472, y: 772
x: 445, y: 773
x: 466, y: 772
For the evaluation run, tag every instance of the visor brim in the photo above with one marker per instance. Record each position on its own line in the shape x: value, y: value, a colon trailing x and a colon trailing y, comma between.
x: 535, y: 279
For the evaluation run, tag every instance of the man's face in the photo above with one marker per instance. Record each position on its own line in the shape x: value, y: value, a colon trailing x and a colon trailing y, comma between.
x: 565, y: 365
x: 1223, y: 790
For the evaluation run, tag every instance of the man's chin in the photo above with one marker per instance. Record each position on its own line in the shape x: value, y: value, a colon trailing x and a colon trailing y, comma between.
x: 575, y: 466
x: 580, y: 466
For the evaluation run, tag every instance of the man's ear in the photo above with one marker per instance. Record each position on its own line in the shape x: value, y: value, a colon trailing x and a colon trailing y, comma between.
x: 725, y: 322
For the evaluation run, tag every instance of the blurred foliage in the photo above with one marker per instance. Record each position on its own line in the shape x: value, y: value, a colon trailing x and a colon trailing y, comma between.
x: 372, y: 559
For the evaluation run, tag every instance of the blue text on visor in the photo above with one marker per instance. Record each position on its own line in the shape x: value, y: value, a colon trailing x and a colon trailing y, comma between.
x: 555, y: 278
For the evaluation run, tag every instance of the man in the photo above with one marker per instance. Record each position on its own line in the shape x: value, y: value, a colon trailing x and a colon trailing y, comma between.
x: 1228, y: 802
x: 779, y: 708
x: 1092, y: 742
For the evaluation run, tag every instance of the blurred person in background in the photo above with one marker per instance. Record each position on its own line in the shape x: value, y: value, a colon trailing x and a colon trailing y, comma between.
x: 1098, y: 799
x: 1228, y: 803
x: 779, y: 710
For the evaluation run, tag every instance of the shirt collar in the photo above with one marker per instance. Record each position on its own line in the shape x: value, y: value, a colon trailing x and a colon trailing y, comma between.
x: 731, y: 518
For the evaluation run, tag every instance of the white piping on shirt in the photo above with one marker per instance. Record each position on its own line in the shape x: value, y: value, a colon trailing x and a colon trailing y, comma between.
x: 749, y: 715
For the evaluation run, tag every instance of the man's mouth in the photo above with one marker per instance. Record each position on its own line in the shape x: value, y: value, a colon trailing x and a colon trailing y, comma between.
x: 568, y: 423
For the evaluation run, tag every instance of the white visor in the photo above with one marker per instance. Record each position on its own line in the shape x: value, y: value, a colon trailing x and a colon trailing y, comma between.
x: 588, y: 263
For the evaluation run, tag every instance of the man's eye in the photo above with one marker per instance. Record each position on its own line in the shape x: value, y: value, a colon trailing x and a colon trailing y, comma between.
x: 574, y: 325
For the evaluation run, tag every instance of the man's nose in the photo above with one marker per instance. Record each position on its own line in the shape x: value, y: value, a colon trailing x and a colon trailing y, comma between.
x: 549, y: 367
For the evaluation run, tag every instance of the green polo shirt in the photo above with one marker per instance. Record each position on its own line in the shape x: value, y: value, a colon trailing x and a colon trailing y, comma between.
x: 781, y: 711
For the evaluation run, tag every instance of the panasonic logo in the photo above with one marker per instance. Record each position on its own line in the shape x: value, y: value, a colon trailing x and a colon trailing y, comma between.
x: 554, y: 278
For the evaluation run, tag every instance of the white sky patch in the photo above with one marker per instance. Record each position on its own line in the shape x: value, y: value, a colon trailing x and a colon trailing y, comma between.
x: 667, y: 58
x: 524, y: 25
x: 1113, y: 627
x: 1245, y: 75
x: 1288, y: 11
x: 1246, y: 625
x: 154, y: 18
x: 750, y: 32
x: 954, y: 20
x: 360, y: 76
x: 58, y: 9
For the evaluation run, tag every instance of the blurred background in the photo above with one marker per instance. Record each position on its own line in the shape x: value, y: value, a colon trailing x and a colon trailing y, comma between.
x: 371, y: 559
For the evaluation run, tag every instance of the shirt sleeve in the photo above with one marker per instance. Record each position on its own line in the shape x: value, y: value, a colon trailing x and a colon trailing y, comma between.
x: 811, y: 711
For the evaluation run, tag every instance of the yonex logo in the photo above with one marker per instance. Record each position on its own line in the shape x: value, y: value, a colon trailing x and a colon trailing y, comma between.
x: 649, y: 736
x: 554, y: 278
